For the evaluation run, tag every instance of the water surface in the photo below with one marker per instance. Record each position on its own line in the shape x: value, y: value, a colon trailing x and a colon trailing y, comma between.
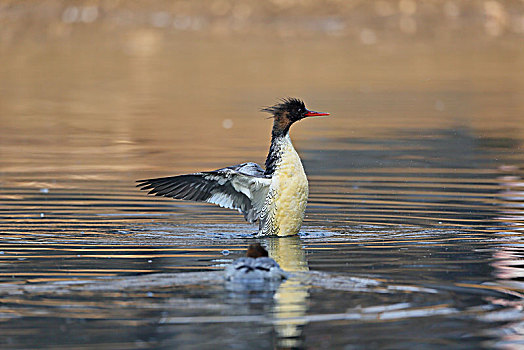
x: 414, y: 220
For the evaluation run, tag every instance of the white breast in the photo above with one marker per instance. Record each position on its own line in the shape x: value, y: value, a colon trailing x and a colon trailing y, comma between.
x: 288, y: 193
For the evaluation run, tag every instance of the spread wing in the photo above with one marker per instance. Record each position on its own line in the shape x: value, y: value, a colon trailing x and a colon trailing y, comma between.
x: 243, y: 187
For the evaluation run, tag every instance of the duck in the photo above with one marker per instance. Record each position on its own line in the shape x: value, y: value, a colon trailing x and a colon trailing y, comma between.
x: 256, y: 266
x: 275, y: 197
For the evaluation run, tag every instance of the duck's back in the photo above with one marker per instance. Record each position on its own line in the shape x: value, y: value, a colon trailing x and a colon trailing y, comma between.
x: 254, y: 269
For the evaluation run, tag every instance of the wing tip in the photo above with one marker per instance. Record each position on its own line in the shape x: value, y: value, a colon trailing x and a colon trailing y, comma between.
x: 143, y: 184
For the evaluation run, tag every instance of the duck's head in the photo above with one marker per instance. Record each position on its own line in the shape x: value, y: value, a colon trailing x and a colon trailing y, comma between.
x: 288, y: 111
x: 256, y: 250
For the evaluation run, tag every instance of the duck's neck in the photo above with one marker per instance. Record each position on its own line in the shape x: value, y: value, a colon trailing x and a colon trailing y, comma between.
x: 278, y: 141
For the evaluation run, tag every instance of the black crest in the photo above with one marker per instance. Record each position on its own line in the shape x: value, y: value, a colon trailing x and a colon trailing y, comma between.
x: 293, y: 106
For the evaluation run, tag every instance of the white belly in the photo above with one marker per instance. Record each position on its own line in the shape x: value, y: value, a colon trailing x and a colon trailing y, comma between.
x: 288, y: 195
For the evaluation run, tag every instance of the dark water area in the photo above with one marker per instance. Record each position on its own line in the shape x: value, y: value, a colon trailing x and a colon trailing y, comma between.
x: 414, y: 222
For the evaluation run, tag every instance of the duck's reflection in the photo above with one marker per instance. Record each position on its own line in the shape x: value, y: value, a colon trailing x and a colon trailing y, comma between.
x: 288, y: 253
x: 291, y: 296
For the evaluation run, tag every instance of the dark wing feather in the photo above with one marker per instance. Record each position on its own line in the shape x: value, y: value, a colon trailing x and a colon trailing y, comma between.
x: 243, y: 187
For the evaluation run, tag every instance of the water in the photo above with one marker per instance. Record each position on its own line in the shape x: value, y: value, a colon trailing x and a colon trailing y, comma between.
x: 413, y: 231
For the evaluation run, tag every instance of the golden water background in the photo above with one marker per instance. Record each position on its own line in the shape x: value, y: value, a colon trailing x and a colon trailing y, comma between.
x: 415, y: 178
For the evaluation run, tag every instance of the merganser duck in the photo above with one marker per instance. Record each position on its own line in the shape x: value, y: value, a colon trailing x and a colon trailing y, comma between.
x: 256, y: 266
x: 276, y: 197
